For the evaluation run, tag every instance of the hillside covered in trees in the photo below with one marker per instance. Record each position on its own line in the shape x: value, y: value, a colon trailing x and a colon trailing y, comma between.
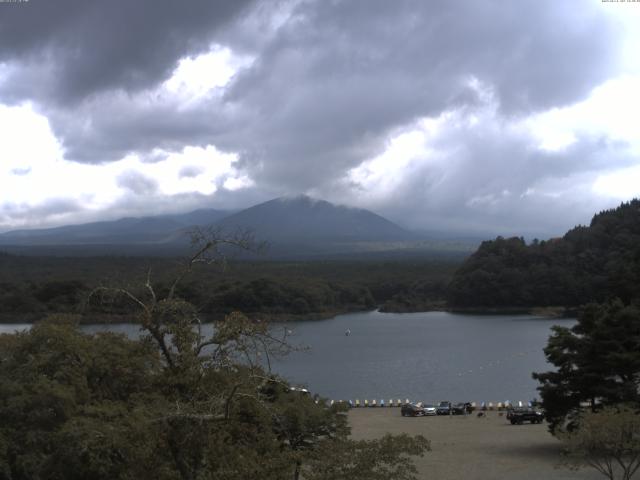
x: 31, y: 287
x: 588, y: 264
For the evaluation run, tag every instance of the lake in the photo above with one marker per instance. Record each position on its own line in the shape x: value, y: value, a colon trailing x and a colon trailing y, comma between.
x: 428, y: 356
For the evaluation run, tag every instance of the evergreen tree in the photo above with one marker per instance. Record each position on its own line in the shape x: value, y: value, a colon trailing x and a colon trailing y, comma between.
x: 597, y: 360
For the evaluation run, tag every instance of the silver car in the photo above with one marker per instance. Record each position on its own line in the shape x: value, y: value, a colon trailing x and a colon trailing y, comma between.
x: 429, y: 409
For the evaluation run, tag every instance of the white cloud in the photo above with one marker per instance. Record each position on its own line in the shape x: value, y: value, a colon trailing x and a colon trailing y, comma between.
x: 195, y: 77
x: 34, y: 172
x: 627, y: 15
x: 236, y: 183
x: 26, y: 138
x: 622, y: 184
x: 612, y: 110
x: 384, y: 173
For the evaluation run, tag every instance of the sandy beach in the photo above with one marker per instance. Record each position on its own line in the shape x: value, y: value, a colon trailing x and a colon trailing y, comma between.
x: 473, y: 448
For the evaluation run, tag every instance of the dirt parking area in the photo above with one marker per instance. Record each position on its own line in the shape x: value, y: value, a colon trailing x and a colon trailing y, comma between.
x: 472, y: 448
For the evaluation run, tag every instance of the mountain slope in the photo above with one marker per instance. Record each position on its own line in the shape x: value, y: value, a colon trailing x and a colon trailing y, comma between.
x: 299, y: 227
x: 303, y: 219
x: 125, y: 231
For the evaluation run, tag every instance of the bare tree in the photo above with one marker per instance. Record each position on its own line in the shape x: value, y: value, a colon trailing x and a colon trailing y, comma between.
x: 175, y: 325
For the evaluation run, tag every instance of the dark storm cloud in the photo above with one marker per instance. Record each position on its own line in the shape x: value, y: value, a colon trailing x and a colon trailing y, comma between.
x: 490, y: 178
x: 114, y: 125
x: 327, y: 89
x: 340, y: 75
x: 137, y: 183
x: 90, y: 46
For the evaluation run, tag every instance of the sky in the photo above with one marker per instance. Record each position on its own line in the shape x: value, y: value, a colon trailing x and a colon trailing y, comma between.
x: 486, y: 117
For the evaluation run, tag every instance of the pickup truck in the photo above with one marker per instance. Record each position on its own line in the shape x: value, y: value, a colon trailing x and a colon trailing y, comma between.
x: 517, y: 416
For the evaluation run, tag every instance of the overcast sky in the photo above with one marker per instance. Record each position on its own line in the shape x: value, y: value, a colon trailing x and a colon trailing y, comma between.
x: 501, y: 117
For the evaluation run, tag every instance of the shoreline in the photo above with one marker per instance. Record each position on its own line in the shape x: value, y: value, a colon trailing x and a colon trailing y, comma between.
x: 104, y: 319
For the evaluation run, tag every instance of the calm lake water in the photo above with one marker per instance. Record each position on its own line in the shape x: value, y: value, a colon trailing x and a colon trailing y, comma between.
x: 429, y: 356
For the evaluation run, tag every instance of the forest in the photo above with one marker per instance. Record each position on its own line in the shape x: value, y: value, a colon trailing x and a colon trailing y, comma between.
x: 31, y: 287
x: 588, y: 264
x: 173, y: 404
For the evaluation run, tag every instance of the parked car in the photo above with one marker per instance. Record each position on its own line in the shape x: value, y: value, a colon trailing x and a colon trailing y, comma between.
x: 444, y: 408
x: 429, y: 409
x: 411, y: 410
x: 459, y: 409
x: 517, y: 416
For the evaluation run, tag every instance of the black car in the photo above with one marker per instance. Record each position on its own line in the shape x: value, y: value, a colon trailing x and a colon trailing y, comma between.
x: 460, y: 409
x: 518, y: 416
x: 411, y: 410
x: 444, y: 408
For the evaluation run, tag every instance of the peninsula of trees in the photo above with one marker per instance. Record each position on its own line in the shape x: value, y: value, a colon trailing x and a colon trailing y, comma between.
x: 588, y: 264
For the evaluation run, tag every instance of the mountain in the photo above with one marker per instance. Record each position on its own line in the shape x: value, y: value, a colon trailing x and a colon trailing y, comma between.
x: 293, y: 227
x: 125, y: 231
x: 304, y: 219
x: 283, y: 220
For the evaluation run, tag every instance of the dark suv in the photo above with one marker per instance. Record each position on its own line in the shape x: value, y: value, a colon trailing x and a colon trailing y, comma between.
x: 461, y: 408
x: 518, y: 416
x: 444, y: 408
x: 411, y: 410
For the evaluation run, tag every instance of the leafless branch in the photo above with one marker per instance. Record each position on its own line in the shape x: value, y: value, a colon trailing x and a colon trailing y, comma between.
x: 120, y: 291
x: 150, y: 287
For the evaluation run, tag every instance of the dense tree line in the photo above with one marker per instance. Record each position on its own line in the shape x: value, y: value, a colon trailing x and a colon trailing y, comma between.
x: 31, y: 287
x: 588, y: 264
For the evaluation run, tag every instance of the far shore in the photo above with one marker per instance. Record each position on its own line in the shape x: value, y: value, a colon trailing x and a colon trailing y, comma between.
x: 103, y: 319
x: 471, y: 447
x: 546, y: 312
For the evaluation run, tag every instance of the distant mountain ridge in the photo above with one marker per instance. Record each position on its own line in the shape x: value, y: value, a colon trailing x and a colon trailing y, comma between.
x: 283, y: 220
x: 124, y: 231
x: 294, y: 227
x: 303, y: 218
